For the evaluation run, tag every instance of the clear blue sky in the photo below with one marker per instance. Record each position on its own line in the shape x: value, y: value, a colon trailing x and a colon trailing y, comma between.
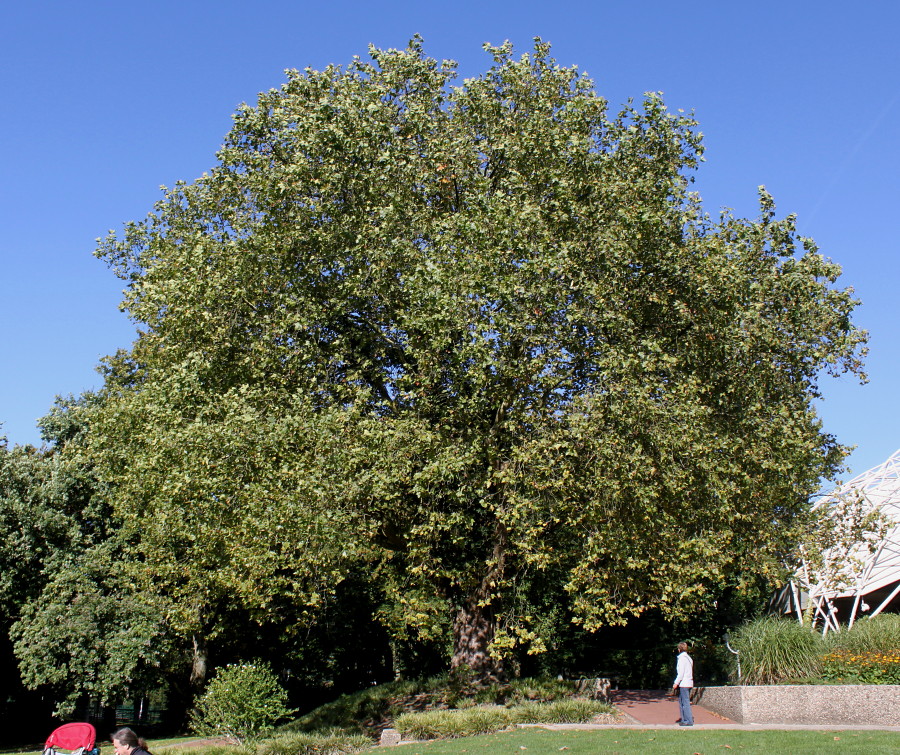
x: 103, y: 102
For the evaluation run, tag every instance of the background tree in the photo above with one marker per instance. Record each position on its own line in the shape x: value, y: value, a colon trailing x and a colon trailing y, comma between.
x: 473, y: 337
x: 47, y: 509
x: 90, y: 636
x: 26, y: 525
x: 77, y: 627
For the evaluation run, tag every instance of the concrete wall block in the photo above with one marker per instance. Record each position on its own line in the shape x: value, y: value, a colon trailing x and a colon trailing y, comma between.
x: 825, y: 704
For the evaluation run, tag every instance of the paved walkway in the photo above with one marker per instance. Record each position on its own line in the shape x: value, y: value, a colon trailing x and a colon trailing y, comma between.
x: 658, y: 707
x: 657, y: 710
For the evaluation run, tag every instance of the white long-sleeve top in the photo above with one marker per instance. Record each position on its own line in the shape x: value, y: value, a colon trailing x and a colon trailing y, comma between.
x: 684, y: 671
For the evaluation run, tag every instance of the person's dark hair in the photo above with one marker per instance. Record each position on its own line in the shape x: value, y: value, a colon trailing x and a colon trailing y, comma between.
x: 127, y: 737
x: 682, y: 647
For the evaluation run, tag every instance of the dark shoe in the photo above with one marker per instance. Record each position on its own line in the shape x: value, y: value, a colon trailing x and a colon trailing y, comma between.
x: 684, y: 724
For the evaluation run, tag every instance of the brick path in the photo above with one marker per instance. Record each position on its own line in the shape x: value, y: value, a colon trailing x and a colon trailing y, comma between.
x: 657, y: 707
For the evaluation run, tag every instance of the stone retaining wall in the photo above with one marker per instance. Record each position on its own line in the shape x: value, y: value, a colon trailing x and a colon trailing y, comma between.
x: 814, y: 704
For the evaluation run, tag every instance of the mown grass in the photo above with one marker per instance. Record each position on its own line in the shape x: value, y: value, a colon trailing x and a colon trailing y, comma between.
x: 662, y: 742
x: 106, y: 748
x: 644, y: 741
x: 320, y: 743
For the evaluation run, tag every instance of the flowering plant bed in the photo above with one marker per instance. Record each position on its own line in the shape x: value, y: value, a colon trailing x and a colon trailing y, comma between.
x: 847, y: 667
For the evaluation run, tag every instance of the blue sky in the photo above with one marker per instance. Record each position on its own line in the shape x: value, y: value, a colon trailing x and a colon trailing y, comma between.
x: 104, y: 102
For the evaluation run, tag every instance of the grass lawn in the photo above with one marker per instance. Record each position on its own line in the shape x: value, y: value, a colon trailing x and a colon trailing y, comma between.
x: 626, y: 741
x: 663, y: 742
x: 106, y: 747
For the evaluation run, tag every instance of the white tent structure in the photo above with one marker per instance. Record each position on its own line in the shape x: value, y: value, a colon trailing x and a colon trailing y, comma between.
x: 871, y: 577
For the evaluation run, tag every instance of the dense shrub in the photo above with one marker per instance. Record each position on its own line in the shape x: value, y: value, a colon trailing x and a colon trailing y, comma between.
x: 774, y: 650
x: 241, y: 703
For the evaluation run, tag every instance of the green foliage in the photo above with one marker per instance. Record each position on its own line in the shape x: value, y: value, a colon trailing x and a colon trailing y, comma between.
x: 477, y: 339
x: 775, y: 649
x: 649, y: 667
x: 33, y: 525
x: 48, y: 517
x: 241, y: 703
x: 466, y: 692
x: 440, y: 724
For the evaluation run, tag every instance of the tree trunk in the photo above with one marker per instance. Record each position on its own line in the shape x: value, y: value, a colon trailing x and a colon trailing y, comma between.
x: 473, y: 631
x: 198, y: 664
x: 475, y: 622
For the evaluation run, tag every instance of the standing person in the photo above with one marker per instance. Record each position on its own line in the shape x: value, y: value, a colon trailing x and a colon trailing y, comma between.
x: 126, y: 742
x: 684, y: 683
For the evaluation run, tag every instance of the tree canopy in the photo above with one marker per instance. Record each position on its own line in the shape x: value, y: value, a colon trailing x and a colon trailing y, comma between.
x: 473, y: 338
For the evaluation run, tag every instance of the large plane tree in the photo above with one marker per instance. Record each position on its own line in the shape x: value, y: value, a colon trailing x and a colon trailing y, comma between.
x: 467, y: 338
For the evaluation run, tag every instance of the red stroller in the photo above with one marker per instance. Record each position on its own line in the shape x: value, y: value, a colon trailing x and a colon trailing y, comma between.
x: 78, y: 738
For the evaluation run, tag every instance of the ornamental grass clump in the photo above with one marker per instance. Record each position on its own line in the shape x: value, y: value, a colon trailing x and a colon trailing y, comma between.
x: 220, y: 749
x: 322, y: 743
x: 569, y: 711
x: 448, y: 724
x: 878, y: 634
x: 773, y: 650
x: 539, y: 689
